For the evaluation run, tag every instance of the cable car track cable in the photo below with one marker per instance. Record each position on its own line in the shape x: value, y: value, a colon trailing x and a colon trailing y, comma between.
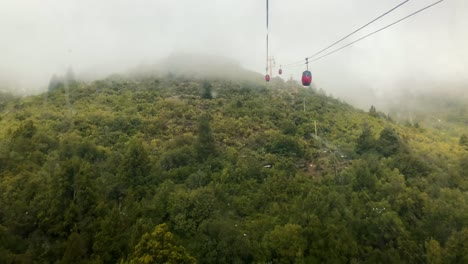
x: 377, y: 31
x: 359, y: 29
x: 299, y: 63
x: 267, y: 76
x: 354, y: 32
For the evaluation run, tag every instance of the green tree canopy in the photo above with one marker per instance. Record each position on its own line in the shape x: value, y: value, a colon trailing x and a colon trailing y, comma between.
x: 388, y: 143
x: 365, y: 142
x: 205, y: 145
x: 207, y: 90
x: 373, y: 111
x: 160, y: 247
x: 464, y: 141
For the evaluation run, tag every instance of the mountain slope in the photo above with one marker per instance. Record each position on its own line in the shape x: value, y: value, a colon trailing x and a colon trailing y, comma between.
x: 229, y: 171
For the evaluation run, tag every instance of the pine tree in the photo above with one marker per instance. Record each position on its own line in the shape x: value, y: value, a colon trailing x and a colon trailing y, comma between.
x: 366, y: 141
x: 205, y: 145
x: 389, y: 142
x: 207, y: 90
x: 373, y: 111
x: 463, y: 141
x: 135, y: 168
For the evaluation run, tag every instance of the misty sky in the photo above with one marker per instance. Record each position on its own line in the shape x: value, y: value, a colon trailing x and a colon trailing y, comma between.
x: 42, y: 37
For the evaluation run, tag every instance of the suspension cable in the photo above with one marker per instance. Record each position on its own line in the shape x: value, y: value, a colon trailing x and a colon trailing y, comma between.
x: 377, y: 31
x: 350, y: 34
x: 266, y: 68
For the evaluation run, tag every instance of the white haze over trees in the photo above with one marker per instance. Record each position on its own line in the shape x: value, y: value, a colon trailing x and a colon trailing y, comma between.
x: 40, y: 38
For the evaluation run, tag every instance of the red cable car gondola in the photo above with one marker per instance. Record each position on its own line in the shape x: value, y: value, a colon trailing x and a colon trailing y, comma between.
x: 267, y: 77
x: 280, y: 71
x: 306, y: 75
x: 306, y: 78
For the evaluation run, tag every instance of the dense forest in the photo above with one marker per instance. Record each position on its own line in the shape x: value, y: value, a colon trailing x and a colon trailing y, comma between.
x: 173, y: 169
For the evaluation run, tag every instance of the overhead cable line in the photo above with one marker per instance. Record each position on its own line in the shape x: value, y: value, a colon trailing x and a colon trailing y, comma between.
x: 377, y: 31
x: 357, y: 30
x: 352, y: 33
x: 267, y: 16
x: 267, y: 76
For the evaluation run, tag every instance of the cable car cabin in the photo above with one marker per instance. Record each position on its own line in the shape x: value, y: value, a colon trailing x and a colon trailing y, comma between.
x: 267, y: 77
x: 306, y: 78
x: 280, y: 71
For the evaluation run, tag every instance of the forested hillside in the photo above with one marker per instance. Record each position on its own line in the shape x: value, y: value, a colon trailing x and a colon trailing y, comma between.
x: 182, y: 170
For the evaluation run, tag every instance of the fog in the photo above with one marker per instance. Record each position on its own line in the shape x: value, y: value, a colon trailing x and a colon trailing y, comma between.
x: 427, y: 52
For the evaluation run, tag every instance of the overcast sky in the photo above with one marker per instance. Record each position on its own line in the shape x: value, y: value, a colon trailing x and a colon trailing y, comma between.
x: 42, y: 37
